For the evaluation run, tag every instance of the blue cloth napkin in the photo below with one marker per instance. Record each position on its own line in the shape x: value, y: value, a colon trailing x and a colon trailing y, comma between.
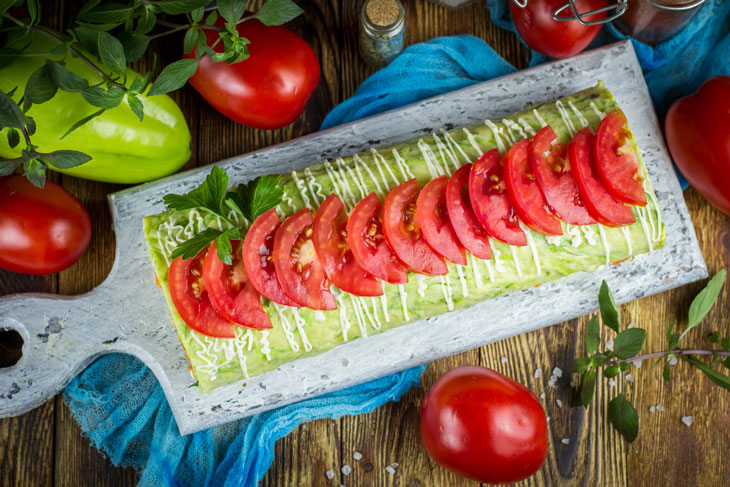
x: 119, y: 403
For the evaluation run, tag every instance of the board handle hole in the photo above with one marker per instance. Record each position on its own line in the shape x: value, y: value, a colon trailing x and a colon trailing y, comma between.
x: 11, y: 347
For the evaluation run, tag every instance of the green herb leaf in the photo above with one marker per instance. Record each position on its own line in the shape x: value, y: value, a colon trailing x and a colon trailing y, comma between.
x: 703, y: 302
x: 177, y: 7
x: 13, y: 138
x: 624, y: 366
x: 114, y: 13
x: 59, y: 50
x: 209, y: 195
x: 30, y: 125
x: 258, y: 196
x: 587, y: 387
x: 611, y: 371
x: 5, y: 5
x: 134, y: 45
x: 224, y: 246
x: 726, y: 363
x: 65, y: 79
x: 192, y: 247
x: 593, y: 335
x: 277, y: 12
x: 136, y: 85
x: 65, y: 159
x: 197, y: 14
x: 609, y: 311
x: 628, y: 343
x: 672, y: 338
x: 599, y: 358
x: 9, y: 166
x: 725, y: 344
x: 191, y: 38
x: 717, y: 377
x: 212, y: 17
x: 667, y: 372
x: 231, y: 10
x: 146, y: 22
x: 34, y: 11
x: 580, y: 364
x: 35, y: 171
x: 10, y: 114
x: 111, y: 53
x: 82, y: 122
x: 88, y: 39
x: 623, y: 417
x: 136, y: 105
x: 99, y: 97
x: 174, y: 76
x: 40, y: 88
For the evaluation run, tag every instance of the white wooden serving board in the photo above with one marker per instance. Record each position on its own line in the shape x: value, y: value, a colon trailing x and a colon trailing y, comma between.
x: 127, y: 312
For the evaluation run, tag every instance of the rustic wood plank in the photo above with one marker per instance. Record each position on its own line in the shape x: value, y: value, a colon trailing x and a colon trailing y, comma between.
x: 26, y: 448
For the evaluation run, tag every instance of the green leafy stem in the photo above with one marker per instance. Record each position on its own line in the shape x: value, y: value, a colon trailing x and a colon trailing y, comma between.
x: 613, y: 361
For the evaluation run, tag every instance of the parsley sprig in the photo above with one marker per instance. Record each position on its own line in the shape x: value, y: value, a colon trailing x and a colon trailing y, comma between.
x: 249, y: 200
x: 613, y: 361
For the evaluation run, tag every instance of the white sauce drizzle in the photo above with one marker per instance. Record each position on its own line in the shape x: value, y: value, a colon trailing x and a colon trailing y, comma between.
x: 553, y: 240
x: 575, y: 234
x: 314, y: 187
x: 452, y: 143
x: 542, y: 121
x: 606, y: 248
x: 403, y: 166
x: 345, y: 324
x: 597, y: 111
x: 432, y: 163
x: 590, y: 234
x: 473, y: 263
x: 498, y: 262
x: 288, y: 201
x: 473, y: 141
x: 656, y: 231
x: 496, y: 132
x: 403, y: 300
x: 359, y: 162
x: 578, y: 115
x: 533, y: 248
x: 528, y: 128
x: 286, y: 325
x: 627, y: 237
x: 516, y: 260
x: 380, y: 161
x: 347, y: 169
x: 377, y: 323
x: 464, y: 288
x: 265, y: 347
x: 384, y: 304
x: 444, y: 151
x: 642, y: 218
x: 421, y: 285
x: 446, y: 290
x: 566, y: 118
x: 358, y: 314
x: 513, y: 127
x: 302, y: 190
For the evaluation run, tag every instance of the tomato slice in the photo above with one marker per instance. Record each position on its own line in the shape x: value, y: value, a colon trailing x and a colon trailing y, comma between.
x: 600, y: 204
x: 549, y: 161
x: 330, y: 242
x: 616, y: 160
x: 369, y: 247
x: 258, y: 260
x: 191, y: 299
x: 525, y: 192
x: 490, y: 201
x: 298, y: 268
x: 230, y: 290
x: 468, y: 230
x: 403, y: 233
x: 433, y: 220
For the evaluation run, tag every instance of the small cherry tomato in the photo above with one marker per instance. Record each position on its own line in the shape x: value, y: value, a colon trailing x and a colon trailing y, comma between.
x: 297, y: 265
x: 490, y: 201
x: 549, y: 161
x: 369, y: 247
x: 42, y: 231
x: 616, y: 160
x: 525, y: 193
x: 230, y: 289
x: 482, y: 425
x: 330, y: 242
x: 258, y: 260
x: 600, y: 204
x: 433, y: 220
x: 191, y: 299
x: 404, y: 234
x: 470, y: 232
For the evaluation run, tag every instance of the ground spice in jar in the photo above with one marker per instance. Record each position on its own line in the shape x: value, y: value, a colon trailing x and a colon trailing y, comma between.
x: 382, y: 26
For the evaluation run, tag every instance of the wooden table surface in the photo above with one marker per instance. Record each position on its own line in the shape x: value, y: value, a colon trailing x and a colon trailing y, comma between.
x: 45, y: 447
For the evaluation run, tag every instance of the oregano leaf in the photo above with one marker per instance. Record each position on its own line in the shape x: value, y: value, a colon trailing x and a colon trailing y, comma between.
x: 13, y: 138
x: 9, y: 166
x: 629, y: 342
x: 717, y: 377
x: 231, y: 10
x: 624, y: 418
x: 135, y: 105
x: 609, y: 311
x: 667, y: 372
x: 99, y: 97
x: 40, y: 87
x: 81, y: 122
x: 593, y: 335
x: 672, y: 338
x: 580, y: 364
x: 65, y: 79
x: 10, y: 114
x: 703, y: 302
x: 174, y: 76
x: 611, y: 371
x: 587, y: 387
x: 66, y: 159
x: 35, y: 171
x: 278, y: 12
x: 111, y: 53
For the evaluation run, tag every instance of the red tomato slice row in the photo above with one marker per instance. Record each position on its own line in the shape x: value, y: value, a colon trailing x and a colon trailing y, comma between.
x: 433, y: 220
x: 469, y: 231
x: 600, y: 204
x: 330, y: 242
x: 490, y: 201
x: 367, y: 242
x: 191, y: 299
x: 403, y: 233
x: 259, y: 261
x: 298, y: 268
x: 230, y: 290
x: 549, y: 161
x: 525, y: 193
x: 616, y: 160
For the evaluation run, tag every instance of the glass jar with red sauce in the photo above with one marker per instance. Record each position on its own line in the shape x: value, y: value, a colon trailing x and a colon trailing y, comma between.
x: 654, y: 21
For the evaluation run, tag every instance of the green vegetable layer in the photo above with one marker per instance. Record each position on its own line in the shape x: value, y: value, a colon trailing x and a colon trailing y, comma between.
x: 302, y: 332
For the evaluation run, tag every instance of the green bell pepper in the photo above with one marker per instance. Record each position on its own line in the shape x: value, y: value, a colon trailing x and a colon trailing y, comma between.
x: 123, y: 148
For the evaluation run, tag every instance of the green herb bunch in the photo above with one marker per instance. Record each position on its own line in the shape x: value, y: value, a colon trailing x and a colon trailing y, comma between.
x: 625, y: 353
x: 249, y: 200
x: 107, y: 36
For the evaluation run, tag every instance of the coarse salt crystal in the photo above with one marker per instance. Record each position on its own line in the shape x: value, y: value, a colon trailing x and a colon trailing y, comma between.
x: 504, y: 360
x: 395, y: 464
x: 346, y: 470
x: 611, y: 382
x: 330, y: 474
x: 632, y: 325
x: 542, y: 396
x: 629, y: 378
x: 673, y: 361
x: 688, y: 420
x: 565, y: 441
x: 548, y: 419
x: 557, y: 371
x: 390, y: 470
x: 659, y: 407
x: 652, y: 409
x: 357, y: 455
x: 609, y: 344
x: 538, y: 373
x: 559, y: 402
x: 638, y: 363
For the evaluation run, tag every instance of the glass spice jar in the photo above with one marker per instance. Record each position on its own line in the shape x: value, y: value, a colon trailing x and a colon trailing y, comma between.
x: 654, y: 21
x: 382, y: 28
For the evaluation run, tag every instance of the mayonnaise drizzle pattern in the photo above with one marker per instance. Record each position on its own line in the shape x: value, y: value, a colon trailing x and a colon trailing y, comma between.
x: 452, y: 143
x: 462, y: 280
x: 533, y: 248
x: 472, y: 141
x: 302, y: 189
x: 403, y: 300
x: 345, y: 324
x: 578, y: 115
x: 497, y: 256
x: 300, y: 328
x: 358, y: 163
x: 496, y: 131
x: 606, y: 248
x: 421, y: 285
x: 359, y: 184
x: 446, y: 290
x: 446, y: 151
x: 432, y: 163
x: 528, y: 128
x: 627, y: 237
x: 286, y: 326
x: 380, y: 160
x: 566, y: 118
x: 516, y: 260
x: 403, y: 166
x: 597, y: 111
x: 384, y: 304
x: 473, y: 263
x: 513, y: 127
x: 542, y: 121
x: 265, y: 347
x: 314, y: 187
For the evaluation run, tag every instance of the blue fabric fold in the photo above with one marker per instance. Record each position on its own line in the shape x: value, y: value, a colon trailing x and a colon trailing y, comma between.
x: 120, y: 405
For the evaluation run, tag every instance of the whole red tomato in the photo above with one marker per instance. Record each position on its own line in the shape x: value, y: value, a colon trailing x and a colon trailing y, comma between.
x: 270, y: 88
x: 556, y: 39
x: 41, y: 230
x: 698, y: 135
x: 480, y: 424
